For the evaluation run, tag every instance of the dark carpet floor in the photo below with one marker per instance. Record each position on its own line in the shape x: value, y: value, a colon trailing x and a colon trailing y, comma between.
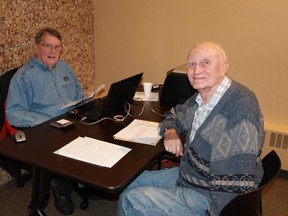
x: 14, y: 201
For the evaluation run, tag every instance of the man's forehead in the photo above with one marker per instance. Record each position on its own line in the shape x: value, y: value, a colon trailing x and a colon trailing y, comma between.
x: 48, y: 37
x: 207, y: 52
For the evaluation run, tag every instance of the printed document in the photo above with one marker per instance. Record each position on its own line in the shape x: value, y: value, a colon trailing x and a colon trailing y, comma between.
x: 93, y: 151
x: 140, y: 131
x: 141, y: 96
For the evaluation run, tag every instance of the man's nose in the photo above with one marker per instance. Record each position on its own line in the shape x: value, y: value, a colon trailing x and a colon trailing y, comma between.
x: 53, y: 49
x: 198, y: 68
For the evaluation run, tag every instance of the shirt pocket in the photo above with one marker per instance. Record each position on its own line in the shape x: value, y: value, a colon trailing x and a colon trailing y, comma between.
x: 68, y: 88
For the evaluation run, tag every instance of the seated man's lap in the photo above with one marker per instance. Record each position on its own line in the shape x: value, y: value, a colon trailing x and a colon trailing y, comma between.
x: 158, y: 178
x: 147, y: 200
x: 155, y: 193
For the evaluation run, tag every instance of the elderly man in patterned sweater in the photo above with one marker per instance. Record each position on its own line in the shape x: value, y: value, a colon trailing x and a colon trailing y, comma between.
x: 221, y: 157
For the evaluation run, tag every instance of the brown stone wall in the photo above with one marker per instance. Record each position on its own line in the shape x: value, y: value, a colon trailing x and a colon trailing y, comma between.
x: 20, y: 20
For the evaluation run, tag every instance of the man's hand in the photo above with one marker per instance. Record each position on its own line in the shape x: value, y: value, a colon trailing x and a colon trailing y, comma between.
x: 172, y: 142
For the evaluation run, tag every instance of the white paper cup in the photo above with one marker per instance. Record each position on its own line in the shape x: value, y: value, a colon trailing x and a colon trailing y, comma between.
x: 147, y: 88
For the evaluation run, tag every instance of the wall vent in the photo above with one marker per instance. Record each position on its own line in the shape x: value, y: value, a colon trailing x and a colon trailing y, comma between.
x: 278, y: 141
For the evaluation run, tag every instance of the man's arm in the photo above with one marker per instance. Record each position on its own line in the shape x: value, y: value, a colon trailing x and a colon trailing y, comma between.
x: 17, y: 105
x: 177, y: 120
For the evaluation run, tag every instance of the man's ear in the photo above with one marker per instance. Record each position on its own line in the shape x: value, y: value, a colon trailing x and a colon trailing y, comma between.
x: 35, y: 47
x: 225, y: 67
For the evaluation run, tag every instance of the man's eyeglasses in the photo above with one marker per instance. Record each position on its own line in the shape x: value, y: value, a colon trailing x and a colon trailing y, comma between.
x: 50, y: 47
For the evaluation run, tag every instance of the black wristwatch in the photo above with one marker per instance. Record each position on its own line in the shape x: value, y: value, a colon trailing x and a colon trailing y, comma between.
x: 168, y: 128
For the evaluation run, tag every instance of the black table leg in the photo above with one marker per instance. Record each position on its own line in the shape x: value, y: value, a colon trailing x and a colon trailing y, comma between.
x: 35, y: 208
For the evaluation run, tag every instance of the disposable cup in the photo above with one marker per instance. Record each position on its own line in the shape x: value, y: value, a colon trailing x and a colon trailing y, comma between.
x: 147, y: 88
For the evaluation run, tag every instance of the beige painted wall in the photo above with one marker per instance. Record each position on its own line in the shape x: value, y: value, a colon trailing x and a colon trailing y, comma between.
x: 154, y: 36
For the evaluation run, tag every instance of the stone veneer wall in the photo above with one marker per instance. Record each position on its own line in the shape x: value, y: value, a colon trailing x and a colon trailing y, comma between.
x: 21, y: 19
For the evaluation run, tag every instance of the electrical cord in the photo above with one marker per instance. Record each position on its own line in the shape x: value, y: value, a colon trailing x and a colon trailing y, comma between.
x: 116, y: 118
x: 156, y: 112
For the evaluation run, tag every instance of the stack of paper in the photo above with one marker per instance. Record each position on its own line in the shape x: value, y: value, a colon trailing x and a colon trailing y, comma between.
x: 141, y: 96
x: 93, y: 151
x: 140, y: 131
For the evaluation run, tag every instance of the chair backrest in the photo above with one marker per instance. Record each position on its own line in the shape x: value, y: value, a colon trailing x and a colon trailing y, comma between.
x: 4, y: 85
x: 250, y: 203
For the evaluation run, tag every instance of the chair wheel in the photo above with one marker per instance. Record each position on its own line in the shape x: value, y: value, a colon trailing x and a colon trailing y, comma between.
x: 84, y: 205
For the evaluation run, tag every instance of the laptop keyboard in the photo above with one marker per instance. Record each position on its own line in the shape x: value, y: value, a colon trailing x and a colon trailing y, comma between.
x: 91, y: 110
x: 93, y: 114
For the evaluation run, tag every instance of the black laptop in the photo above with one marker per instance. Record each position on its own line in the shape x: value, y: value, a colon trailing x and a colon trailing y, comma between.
x: 119, y: 93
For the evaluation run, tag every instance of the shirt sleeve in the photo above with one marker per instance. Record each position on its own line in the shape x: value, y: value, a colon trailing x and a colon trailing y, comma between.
x: 17, y: 105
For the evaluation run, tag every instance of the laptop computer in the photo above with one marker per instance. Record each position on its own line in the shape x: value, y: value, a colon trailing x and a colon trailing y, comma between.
x: 119, y: 93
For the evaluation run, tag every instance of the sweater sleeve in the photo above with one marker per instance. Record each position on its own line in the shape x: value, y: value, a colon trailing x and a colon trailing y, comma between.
x: 180, y: 117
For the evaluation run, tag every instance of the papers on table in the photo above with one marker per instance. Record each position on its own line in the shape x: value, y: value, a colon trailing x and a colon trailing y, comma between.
x: 141, y: 96
x: 140, y: 131
x: 93, y: 151
x: 107, y: 154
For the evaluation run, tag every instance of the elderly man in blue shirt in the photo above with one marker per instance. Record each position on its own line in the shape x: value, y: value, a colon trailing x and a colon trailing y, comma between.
x: 43, y: 85
x: 37, y: 92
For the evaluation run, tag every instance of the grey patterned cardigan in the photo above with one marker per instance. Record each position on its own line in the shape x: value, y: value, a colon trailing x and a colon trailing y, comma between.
x: 223, y: 160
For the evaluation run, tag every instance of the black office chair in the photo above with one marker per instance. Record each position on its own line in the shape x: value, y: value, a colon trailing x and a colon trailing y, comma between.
x: 250, y: 203
x: 13, y: 167
x: 4, y: 85
x: 86, y: 193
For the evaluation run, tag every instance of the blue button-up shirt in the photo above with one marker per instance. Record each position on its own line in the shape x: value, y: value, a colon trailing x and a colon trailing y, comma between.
x: 36, y: 93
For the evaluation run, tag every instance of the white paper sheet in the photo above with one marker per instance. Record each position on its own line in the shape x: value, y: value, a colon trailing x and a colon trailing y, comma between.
x: 93, y: 151
x: 140, y: 131
x: 141, y: 96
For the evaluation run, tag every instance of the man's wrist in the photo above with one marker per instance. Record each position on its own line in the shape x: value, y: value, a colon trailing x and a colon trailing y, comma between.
x: 168, y: 129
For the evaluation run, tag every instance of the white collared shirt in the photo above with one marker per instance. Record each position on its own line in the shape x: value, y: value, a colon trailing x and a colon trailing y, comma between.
x: 204, y: 109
